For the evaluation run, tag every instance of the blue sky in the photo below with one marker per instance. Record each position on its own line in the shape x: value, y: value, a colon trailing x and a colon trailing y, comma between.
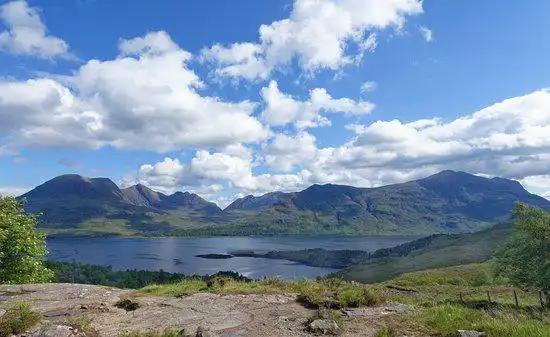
x: 226, y: 98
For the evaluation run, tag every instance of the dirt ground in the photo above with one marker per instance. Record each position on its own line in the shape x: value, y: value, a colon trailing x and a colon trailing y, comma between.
x: 225, y: 315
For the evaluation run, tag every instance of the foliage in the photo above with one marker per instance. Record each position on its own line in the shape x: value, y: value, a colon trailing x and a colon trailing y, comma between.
x: 22, y: 248
x: 66, y: 272
x: 93, y: 274
x: 17, y: 319
x: 525, y: 257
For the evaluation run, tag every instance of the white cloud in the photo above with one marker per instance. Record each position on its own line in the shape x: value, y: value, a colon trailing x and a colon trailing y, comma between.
x: 539, y: 184
x: 13, y: 191
x: 427, y: 33
x: 282, y: 109
x: 508, y: 139
x: 318, y: 33
x: 163, y: 176
x: 145, y: 99
x: 26, y: 33
x: 368, y: 86
x: 286, y: 152
x: 238, y: 60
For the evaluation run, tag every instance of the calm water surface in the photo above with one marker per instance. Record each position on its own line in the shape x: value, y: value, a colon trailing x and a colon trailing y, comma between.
x: 178, y: 254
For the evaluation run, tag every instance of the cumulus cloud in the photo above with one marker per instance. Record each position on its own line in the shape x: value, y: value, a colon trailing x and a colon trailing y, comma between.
x: 320, y: 34
x: 282, y: 109
x: 144, y: 99
x: 427, y: 33
x: 507, y: 139
x: 26, y: 34
x: 286, y: 152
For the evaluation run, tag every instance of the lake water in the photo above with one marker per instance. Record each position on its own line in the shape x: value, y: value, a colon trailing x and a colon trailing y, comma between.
x: 177, y: 255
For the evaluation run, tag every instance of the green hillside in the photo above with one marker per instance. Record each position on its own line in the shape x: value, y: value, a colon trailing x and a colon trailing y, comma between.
x: 436, y: 251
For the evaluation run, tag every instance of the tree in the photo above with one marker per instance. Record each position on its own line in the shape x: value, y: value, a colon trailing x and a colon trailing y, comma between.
x: 525, y: 257
x: 22, y: 247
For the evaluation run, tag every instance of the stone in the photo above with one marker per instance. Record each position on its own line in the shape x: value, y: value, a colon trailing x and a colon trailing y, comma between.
x: 325, y: 327
x: 2, y: 312
x: 467, y: 333
x: 56, y: 331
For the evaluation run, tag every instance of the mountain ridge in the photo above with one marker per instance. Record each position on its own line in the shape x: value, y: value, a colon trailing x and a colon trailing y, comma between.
x: 447, y: 202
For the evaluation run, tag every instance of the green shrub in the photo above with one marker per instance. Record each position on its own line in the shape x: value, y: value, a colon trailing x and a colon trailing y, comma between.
x: 17, y: 319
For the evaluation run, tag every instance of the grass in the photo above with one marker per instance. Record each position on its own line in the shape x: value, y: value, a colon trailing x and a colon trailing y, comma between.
x: 18, y: 318
x: 437, y: 292
x: 447, y: 318
x: 468, y: 283
x: 167, y: 333
x: 476, y: 274
x: 83, y: 325
x: 330, y: 293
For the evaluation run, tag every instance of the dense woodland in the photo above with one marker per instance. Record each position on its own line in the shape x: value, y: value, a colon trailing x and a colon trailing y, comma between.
x: 72, y: 272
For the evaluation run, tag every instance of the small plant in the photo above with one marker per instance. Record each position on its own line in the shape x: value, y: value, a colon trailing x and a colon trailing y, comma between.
x: 166, y: 333
x: 128, y: 304
x: 84, y: 325
x: 17, y: 319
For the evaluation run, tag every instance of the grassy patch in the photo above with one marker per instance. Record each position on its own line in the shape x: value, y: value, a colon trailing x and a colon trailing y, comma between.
x: 167, y: 333
x: 183, y: 288
x: 17, y: 319
x: 476, y: 274
x: 447, y: 318
x: 83, y: 324
x: 329, y: 293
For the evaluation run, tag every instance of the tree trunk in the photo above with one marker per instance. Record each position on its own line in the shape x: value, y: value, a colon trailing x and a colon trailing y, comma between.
x: 547, y: 297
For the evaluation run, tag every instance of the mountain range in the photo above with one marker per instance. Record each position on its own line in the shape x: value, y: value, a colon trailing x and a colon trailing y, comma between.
x: 447, y: 202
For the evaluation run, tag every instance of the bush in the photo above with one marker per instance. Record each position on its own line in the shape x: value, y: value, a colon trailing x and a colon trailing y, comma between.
x: 18, y: 319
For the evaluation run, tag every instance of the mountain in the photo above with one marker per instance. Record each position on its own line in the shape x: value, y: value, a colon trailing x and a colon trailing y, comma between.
x: 75, y: 205
x: 448, y: 202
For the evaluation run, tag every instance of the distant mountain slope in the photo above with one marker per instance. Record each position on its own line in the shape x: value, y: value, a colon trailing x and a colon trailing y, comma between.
x: 436, y: 251
x: 71, y: 204
x: 448, y: 202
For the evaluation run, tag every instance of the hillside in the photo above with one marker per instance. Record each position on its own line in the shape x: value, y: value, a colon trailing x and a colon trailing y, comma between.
x: 74, y: 205
x: 448, y: 202
x: 436, y: 251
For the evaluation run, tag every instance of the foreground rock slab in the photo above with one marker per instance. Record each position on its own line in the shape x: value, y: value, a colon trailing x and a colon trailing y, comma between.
x: 253, y: 315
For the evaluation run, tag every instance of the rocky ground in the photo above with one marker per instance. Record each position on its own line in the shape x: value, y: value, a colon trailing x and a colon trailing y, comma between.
x: 216, y: 315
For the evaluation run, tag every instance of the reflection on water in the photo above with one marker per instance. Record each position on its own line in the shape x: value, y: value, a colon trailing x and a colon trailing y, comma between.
x: 178, y: 254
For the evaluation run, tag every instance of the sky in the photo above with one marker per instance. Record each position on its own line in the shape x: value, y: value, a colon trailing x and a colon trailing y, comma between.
x: 230, y: 98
